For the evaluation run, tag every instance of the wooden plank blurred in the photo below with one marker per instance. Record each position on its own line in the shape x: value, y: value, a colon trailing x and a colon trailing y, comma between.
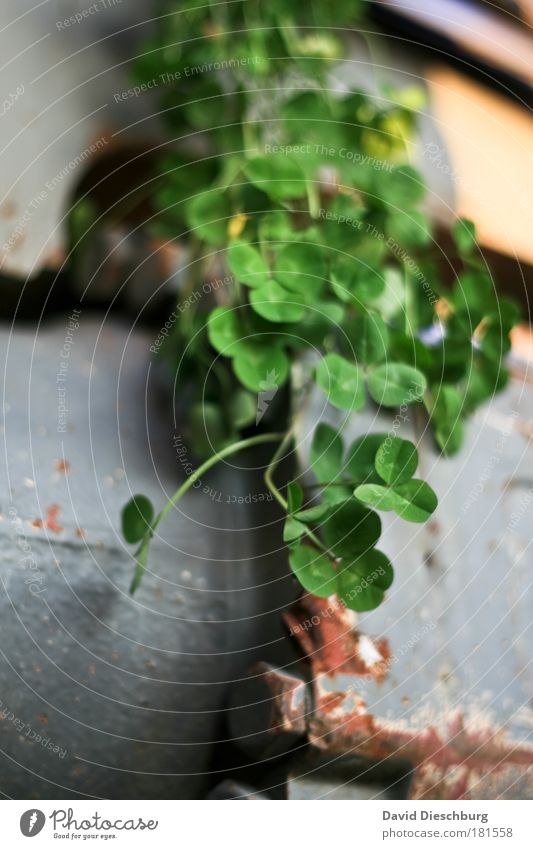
x: 489, y: 142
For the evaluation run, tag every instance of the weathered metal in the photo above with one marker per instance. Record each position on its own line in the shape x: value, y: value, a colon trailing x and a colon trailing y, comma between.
x: 433, y: 684
x: 129, y: 691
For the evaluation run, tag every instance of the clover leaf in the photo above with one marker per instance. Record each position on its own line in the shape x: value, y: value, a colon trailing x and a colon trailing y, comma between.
x: 396, y: 384
x: 396, y: 460
x: 351, y: 529
x: 342, y: 382
x: 260, y: 367
x: 314, y: 570
x: 361, y: 584
x: 273, y: 302
x: 247, y: 264
x: 413, y: 500
x: 136, y: 518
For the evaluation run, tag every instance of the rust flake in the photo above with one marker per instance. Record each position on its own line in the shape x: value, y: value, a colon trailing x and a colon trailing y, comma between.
x: 50, y: 521
x: 62, y: 466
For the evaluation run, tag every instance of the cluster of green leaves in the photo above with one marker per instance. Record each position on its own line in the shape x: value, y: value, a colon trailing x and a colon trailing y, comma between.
x: 310, y: 211
x: 333, y: 543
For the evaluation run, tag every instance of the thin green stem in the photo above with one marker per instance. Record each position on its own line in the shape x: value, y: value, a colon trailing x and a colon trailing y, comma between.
x: 273, y: 465
x: 142, y: 552
x: 234, y: 448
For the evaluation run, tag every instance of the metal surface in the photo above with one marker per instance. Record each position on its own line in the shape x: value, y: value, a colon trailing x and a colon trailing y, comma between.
x: 432, y: 686
x: 132, y: 690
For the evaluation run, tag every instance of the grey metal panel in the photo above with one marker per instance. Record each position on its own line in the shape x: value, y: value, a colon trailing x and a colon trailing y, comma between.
x: 132, y: 688
x: 458, y: 616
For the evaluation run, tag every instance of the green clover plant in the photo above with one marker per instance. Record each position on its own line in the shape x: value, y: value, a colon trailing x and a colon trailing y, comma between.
x: 297, y: 194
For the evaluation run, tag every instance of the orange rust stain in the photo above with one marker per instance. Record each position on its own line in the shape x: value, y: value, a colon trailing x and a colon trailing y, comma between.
x: 43, y: 718
x: 331, y: 702
x: 51, y: 519
x: 8, y: 209
x: 362, y: 723
x: 80, y: 533
x: 55, y: 258
x: 50, y: 522
x: 62, y: 466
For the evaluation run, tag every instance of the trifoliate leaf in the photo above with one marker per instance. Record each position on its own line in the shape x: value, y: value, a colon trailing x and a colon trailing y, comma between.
x: 396, y: 460
x: 314, y: 570
x: 414, y: 500
x: 277, y: 175
x: 273, y: 302
x: 395, y: 384
x: 247, y: 264
x: 362, y: 583
x: 360, y: 459
x: 326, y: 453
x: 261, y: 368
x: 351, y: 529
x: 136, y: 518
x: 342, y: 382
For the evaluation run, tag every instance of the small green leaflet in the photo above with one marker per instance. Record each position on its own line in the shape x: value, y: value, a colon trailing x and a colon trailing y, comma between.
x: 247, y: 264
x: 396, y: 460
x: 351, y: 529
x: 314, y: 571
x: 342, y: 382
x: 414, y: 500
x: 255, y: 365
x: 362, y: 583
x: 326, y: 453
x: 396, y: 384
x: 273, y: 302
x: 136, y: 518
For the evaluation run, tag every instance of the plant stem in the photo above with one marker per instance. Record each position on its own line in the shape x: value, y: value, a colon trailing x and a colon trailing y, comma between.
x: 234, y: 448
x: 269, y: 480
x: 142, y: 552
